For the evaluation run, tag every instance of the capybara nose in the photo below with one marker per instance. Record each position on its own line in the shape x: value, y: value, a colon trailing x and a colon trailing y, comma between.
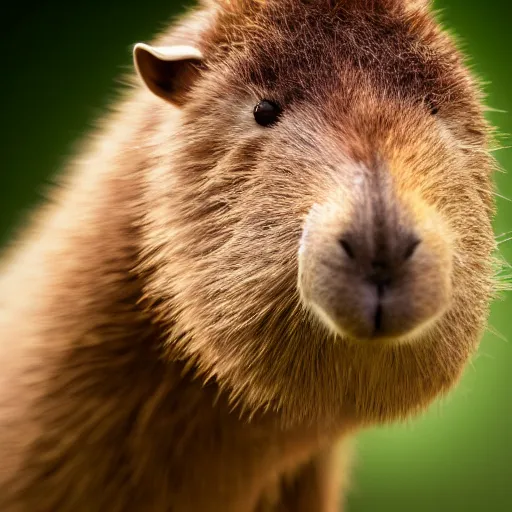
x: 381, y: 265
x: 375, y: 270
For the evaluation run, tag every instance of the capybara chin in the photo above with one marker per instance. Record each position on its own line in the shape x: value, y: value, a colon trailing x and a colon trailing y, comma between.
x: 282, y: 234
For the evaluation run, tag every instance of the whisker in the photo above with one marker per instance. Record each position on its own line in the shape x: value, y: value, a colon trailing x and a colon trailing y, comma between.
x: 506, y: 233
x: 499, y: 148
x: 493, y: 109
x: 503, y: 241
x: 492, y: 330
x: 503, y: 197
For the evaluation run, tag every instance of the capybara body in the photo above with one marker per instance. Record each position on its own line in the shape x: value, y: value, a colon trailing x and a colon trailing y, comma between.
x: 281, y: 235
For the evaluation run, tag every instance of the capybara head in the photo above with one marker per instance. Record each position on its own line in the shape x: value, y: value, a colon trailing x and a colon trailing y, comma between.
x: 319, y: 217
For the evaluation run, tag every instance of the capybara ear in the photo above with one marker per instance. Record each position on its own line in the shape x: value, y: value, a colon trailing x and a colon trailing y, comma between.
x: 168, y: 71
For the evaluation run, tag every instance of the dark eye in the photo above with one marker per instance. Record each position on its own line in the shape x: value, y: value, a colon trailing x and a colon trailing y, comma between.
x: 266, y: 112
x: 431, y: 105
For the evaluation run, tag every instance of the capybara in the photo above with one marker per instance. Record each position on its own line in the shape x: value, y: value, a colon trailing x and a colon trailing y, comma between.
x: 280, y: 235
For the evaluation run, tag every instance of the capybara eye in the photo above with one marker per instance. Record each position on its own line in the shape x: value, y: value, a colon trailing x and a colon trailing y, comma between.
x: 266, y: 112
x: 434, y: 109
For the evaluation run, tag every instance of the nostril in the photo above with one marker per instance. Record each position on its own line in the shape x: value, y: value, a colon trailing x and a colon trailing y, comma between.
x: 411, y: 247
x: 347, y: 248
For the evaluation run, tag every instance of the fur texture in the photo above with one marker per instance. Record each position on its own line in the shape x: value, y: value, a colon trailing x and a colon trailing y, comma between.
x: 156, y: 353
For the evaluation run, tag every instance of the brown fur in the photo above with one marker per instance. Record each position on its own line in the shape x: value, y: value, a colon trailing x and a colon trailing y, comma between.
x: 155, y: 351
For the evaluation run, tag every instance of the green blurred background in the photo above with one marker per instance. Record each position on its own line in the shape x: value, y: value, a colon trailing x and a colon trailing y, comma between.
x: 60, y: 62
